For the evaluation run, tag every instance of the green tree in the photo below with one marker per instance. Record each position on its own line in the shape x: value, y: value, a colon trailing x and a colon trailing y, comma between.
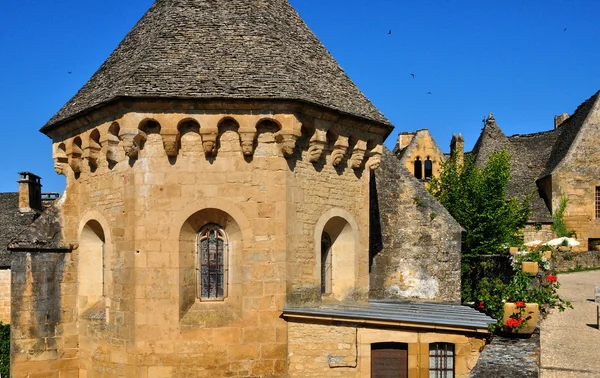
x: 4, y: 349
x: 478, y: 199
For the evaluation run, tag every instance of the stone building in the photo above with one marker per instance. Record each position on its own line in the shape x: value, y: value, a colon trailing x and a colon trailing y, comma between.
x: 223, y: 217
x: 552, y: 164
x: 17, y: 211
x: 420, y: 154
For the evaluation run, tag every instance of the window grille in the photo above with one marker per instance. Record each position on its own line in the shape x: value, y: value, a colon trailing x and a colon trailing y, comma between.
x: 441, y: 360
x: 598, y: 202
x: 212, y: 250
x: 326, y: 276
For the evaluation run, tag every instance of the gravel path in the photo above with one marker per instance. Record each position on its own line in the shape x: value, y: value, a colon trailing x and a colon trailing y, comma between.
x: 570, y: 340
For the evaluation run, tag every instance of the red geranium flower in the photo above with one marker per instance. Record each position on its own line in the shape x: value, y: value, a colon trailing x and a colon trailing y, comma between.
x: 520, y: 304
x: 514, y: 323
x: 551, y: 278
x: 480, y: 305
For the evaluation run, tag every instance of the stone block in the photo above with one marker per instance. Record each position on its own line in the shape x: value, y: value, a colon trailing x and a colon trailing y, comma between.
x: 597, y: 293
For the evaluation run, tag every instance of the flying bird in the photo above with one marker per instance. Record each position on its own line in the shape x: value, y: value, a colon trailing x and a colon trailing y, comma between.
x: 429, y: 93
x: 413, y: 75
x: 565, y: 30
x: 69, y: 72
x: 390, y: 32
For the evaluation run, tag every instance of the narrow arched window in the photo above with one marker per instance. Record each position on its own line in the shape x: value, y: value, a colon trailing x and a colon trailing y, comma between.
x: 326, y: 277
x: 418, y: 168
x: 212, y: 260
x: 441, y: 360
x: 428, y: 168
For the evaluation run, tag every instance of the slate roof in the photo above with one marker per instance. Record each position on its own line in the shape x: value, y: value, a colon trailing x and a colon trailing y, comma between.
x: 12, y: 222
x: 43, y: 235
x: 221, y: 49
x: 434, y: 315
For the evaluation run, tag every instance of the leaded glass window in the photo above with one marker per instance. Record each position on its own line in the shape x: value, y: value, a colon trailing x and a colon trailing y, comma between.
x: 212, y: 250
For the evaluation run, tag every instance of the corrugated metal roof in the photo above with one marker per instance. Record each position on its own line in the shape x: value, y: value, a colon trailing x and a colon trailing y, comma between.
x: 417, y: 313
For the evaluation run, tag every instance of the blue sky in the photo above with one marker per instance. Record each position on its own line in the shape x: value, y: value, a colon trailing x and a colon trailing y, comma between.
x: 513, y: 58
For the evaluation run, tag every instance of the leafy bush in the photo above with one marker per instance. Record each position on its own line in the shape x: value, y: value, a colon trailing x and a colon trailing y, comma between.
x: 558, y: 224
x: 4, y: 350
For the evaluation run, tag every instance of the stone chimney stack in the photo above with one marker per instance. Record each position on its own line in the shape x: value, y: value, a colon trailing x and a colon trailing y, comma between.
x: 404, y: 140
x: 457, y: 149
x: 30, y: 192
x: 559, y: 119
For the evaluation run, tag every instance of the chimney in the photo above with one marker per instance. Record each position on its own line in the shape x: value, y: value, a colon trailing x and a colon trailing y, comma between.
x: 457, y: 149
x: 404, y: 140
x: 30, y: 192
x: 559, y: 119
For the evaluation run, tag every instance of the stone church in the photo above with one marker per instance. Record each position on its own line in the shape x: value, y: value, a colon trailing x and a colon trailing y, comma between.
x: 230, y: 211
x: 548, y: 165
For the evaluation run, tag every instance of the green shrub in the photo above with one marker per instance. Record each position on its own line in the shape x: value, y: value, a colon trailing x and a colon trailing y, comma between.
x: 4, y: 350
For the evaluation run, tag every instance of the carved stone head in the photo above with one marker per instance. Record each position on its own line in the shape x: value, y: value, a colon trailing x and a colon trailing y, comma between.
x: 131, y: 147
x: 337, y: 155
x: 60, y: 165
x: 210, y: 147
x: 357, y: 159
x: 247, y: 147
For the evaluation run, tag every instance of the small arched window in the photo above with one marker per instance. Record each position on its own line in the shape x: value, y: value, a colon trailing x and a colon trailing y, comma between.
x: 212, y: 261
x: 418, y: 168
x: 441, y: 360
x: 326, y: 277
x: 428, y: 168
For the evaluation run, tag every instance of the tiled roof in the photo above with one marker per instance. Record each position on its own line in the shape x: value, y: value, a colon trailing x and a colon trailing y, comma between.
x: 12, y: 222
x: 221, y: 49
x: 434, y: 315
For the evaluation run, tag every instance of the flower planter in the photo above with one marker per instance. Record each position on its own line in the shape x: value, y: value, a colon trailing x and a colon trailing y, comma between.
x: 513, y: 250
x: 530, y: 267
x: 564, y: 248
x: 529, y: 315
x: 547, y: 255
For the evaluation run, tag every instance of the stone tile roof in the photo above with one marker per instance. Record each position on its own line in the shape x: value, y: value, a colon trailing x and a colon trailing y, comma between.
x: 221, y: 49
x: 12, y: 222
x: 44, y: 234
x: 529, y: 157
x: 568, y: 132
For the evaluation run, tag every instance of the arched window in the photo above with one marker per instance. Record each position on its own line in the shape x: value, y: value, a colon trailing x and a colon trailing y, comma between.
x: 212, y: 261
x: 92, y: 262
x: 326, y: 277
x: 428, y: 168
x: 418, y: 168
x: 441, y: 360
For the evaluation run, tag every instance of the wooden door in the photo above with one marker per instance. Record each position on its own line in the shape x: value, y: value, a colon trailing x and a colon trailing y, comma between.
x: 389, y: 360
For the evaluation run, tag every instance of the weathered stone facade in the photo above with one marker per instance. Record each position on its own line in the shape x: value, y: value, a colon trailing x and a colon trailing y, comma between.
x: 419, y: 153
x: 416, y: 248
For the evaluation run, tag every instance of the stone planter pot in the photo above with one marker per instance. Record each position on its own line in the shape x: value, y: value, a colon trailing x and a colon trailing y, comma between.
x: 564, y: 248
x: 530, y: 267
x: 547, y: 255
x: 529, y: 314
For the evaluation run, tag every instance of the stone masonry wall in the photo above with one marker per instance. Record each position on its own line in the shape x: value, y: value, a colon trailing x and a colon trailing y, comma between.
x: 415, y: 250
x: 146, y: 211
x: 5, y: 296
x: 577, y: 177
x: 344, y: 350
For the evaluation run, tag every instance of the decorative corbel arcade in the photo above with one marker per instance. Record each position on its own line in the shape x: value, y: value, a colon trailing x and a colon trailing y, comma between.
x: 123, y: 139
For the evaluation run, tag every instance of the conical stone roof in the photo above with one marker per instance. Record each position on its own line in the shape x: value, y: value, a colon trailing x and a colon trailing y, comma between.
x: 221, y: 49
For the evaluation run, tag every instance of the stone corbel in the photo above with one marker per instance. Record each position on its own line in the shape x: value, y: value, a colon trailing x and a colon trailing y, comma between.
x: 92, y: 152
x: 247, y: 142
x: 75, y: 158
x: 61, y: 161
x: 132, y: 142
x: 358, y: 154
x: 340, y: 148
x: 171, y: 142
x: 112, y: 149
x: 374, y: 157
x: 316, y: 146
x: 287, y: 140
x: 209, y: 141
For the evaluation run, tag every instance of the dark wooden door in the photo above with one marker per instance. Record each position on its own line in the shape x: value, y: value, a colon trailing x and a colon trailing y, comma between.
x: 389, y: 360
